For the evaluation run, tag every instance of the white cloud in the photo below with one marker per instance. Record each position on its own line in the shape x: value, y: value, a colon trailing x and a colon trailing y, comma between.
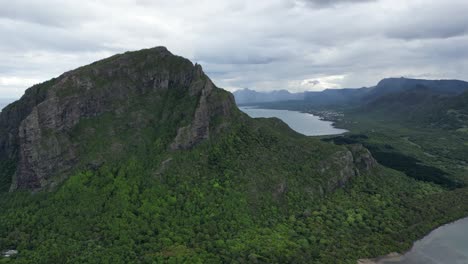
x: 317, y: 83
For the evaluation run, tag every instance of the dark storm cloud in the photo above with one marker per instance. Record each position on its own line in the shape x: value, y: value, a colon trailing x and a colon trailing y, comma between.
x: 264, y: 45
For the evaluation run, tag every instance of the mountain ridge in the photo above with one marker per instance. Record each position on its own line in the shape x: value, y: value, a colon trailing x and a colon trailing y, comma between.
x: 353, y: 96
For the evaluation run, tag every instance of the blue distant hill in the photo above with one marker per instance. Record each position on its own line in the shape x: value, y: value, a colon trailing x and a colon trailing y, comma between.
x: 354, y: 96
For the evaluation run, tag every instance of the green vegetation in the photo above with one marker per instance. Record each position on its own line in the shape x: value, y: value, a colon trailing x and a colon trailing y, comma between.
x: 386, y: 155
x: 220, y: 202
x: 7, y: 169
x: 419, y: 134
x: 441, y: 149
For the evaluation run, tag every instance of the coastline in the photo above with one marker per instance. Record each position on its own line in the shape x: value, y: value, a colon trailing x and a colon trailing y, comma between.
x: 391, y: 257
x: 322, y: 116
x: 395, y: 257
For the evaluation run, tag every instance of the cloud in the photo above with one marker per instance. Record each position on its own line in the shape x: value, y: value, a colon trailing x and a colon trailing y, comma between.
x: 54, y: 13
x: 313, y: 82
x: 263, y: 45
x: 425, y: 20
x: 329, y: 3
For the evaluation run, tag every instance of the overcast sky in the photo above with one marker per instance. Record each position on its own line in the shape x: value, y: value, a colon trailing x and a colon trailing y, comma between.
x: 263, y: 45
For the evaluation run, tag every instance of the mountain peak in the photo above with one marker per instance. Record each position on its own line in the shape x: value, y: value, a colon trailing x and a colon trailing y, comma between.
x: 155, y: 50
x: 147, y: 90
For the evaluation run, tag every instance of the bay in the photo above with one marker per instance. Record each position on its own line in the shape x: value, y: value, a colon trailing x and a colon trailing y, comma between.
x: 304, y: 123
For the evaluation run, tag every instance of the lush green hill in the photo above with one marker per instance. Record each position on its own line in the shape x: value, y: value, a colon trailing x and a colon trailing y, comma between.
x: 140, y: 158
x: 395, y: 85
x: 421, y: 107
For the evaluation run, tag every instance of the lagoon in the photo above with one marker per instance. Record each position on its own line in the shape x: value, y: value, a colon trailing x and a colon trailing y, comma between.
x: 304, y: 123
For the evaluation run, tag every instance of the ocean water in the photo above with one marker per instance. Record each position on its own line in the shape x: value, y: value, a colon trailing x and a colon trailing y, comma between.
x: 447, y: 244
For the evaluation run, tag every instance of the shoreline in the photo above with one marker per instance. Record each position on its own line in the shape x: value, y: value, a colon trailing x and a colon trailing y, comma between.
x: 395, y: 257
x: 392, y: 257
x: 320, y: 115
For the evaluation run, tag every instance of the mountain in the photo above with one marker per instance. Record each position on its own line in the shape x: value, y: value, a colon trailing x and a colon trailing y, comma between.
x: 247, y: 96
x: 453, y: 113
x: 37, y: 132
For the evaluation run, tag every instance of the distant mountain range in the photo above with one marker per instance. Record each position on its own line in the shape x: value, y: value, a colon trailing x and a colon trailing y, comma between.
x: 247, y: 96
x: 435, y: 103
x: 353, y: 95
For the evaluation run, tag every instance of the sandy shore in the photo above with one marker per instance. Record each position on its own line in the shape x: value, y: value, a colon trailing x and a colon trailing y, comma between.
x: 389, y: 258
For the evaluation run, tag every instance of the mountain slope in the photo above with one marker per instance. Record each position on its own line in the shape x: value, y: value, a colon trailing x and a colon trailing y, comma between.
x: 421, y: 106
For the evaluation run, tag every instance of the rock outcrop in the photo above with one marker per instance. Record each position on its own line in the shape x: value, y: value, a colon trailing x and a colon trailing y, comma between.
x: 209, y: 105
x: 344, y: 165
x: 35, y: 131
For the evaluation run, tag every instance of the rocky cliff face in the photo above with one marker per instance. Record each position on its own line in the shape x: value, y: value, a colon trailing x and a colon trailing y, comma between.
x: 36, y: 129
x: 208, y: 106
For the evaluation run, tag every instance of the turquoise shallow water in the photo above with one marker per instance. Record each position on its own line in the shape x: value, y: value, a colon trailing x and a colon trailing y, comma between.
x: 303, y: 123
